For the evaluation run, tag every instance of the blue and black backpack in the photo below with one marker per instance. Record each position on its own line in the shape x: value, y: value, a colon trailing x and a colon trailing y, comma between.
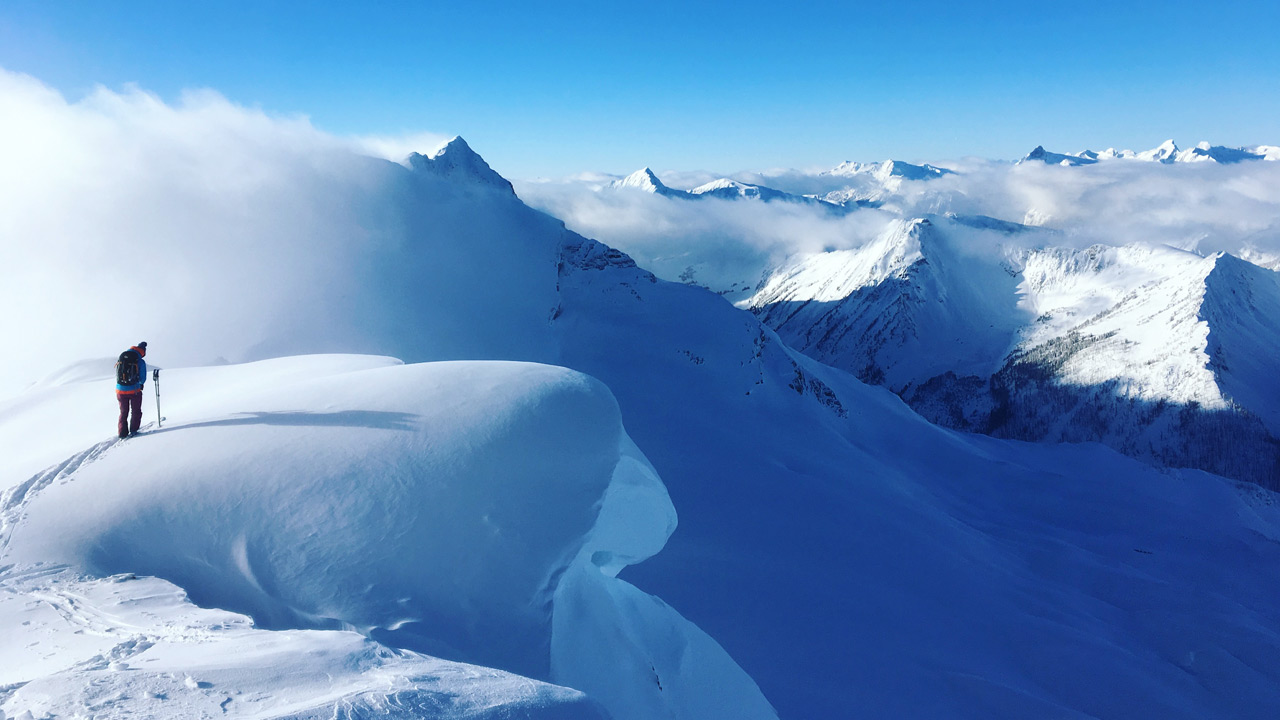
x: 128, y: 369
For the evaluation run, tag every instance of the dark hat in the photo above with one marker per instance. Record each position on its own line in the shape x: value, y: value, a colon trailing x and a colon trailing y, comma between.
x: 142, y: 345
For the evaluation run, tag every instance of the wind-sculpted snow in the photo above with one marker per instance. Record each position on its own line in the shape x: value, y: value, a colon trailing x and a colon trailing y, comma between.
x: 435, y: 507
x: 128, y: 646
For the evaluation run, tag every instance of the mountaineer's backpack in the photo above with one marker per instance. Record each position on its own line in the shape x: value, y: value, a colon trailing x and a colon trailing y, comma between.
x: 128, y: 370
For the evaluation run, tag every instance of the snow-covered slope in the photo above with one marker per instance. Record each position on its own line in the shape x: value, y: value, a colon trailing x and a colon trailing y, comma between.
x: 851, y: 558
x: 973, y: 578
x: 1106, y: 344
x: 472, y: 511
x: 128, y: 646
x: 904, y: 307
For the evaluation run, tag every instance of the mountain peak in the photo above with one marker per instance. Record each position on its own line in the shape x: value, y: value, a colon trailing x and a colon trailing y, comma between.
x: 897, y: 168
x: 456, y: 160
x: 1053, y: 158
x: 887, y: 169
x: 1166, y: 152
x: 719, y: 183
x: 729, y: 189
x: 644, y: 179
x: 457, y: 146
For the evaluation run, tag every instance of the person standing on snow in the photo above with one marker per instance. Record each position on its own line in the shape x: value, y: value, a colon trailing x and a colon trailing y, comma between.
x: 131, y: 376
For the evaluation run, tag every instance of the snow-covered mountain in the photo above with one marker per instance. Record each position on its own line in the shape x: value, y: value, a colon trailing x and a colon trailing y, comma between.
x: 456, y: 160
x: 722, y: 189
x: 893, y: 312
x: 1132, y: 346
x: 1204, y: 152
x: 1167, y: 152
x: 870, y: 184
x: 727, y: 189
x: 887, y: 170
x: 1039, y: 154
x: 473, y: 511
x: 645, y: 181
x: 836, y: 553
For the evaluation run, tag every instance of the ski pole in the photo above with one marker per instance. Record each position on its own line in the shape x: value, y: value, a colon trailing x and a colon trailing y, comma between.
x: 155, y: 376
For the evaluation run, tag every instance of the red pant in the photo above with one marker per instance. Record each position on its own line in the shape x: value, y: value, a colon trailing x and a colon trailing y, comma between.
x: 129, y: 401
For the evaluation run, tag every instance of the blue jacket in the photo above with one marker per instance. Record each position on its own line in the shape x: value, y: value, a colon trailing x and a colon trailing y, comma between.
x: 142, y: 379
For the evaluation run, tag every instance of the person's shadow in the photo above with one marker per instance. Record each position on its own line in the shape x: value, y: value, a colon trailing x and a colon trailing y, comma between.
x: 377, y: 419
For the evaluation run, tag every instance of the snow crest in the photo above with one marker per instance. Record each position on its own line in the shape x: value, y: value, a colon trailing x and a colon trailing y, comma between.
x: 436, y: 508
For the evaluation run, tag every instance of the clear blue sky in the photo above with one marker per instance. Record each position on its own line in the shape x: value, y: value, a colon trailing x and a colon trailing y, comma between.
x: 547, y: 88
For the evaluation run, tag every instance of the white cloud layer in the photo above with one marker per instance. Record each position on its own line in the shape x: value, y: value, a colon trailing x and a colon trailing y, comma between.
x: 725, y: 242
x: 208, y: 229
x: 1204, y: 207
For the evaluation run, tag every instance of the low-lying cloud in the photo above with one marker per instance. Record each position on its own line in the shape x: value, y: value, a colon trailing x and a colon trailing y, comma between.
x: 1203, y: 207
x: 711, y: 241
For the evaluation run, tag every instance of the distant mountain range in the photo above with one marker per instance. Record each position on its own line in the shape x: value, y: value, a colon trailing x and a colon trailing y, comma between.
x: 645, y: 180
x: 869, y: 182
x: 1166, y: 152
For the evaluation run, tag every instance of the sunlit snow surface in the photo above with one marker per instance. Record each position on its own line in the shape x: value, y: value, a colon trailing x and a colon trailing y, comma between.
x: 126, y: 646
x: 473, y: 511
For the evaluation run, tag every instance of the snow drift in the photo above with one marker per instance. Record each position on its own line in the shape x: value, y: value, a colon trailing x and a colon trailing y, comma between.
x: 473, y: 511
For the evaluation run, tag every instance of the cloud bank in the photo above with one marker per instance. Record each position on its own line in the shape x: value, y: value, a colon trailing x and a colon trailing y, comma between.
x: 714, y: 242
x: 1203, y: 207
x: 208, y: 229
